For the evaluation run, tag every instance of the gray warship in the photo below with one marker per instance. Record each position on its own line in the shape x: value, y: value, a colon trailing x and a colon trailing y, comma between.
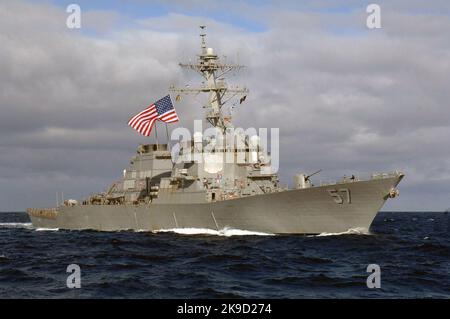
x: 157, y: 192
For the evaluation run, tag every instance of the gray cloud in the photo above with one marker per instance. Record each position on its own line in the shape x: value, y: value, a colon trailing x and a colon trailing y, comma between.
x: 346, y: 99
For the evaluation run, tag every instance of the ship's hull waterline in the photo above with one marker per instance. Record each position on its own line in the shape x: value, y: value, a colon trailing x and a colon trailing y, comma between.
x: 300, y: 211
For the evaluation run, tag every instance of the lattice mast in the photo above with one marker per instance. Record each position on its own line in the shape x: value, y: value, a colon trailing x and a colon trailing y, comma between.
x: 213, y: 71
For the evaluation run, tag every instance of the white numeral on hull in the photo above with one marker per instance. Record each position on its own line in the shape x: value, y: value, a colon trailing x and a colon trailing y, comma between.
x: 340, y: 196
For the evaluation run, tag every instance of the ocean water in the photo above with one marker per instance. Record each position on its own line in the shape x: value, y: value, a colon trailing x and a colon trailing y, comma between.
x: 412, y: 250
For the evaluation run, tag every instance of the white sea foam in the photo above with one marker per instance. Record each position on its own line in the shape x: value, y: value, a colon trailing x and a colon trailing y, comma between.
x: 226, y: 232
x: 140, y: 230
x: 351, y: 231
x: 25, y: 226
x: 47, y: 229
x: 16, y: 225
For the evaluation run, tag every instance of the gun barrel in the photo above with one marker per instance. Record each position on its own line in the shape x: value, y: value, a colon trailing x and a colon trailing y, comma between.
x: 307, y: 177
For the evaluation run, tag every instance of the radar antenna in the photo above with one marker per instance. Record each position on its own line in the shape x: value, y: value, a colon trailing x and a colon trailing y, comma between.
x: 210, y: 68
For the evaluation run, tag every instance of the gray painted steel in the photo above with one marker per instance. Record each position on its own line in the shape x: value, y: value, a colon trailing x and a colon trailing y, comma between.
x: 310, y: 211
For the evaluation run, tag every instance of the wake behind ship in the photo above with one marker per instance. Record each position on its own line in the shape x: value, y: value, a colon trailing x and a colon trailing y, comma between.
x: 218, y: 182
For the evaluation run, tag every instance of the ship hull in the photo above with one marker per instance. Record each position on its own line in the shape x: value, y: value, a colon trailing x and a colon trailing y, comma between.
x: 324, y: 209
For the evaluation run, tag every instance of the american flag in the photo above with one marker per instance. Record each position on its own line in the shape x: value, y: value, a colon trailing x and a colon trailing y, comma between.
x: 161, y: 110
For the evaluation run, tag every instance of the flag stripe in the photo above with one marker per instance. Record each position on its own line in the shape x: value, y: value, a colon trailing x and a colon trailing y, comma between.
x: 170, y: 118
x: 145, y: 128
x: 141, y: 130
x: 142, y: 120
x: 150, y: 126
x: 148, y: 112
x: 145, y: 112
x: 162, y: 110
x: 138, y: 115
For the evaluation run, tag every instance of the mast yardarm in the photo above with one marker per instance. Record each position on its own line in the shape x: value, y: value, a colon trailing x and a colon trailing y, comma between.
x: 208, y: 65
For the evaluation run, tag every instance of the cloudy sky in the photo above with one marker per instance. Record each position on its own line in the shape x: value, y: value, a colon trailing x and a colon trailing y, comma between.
x: 347, y: 99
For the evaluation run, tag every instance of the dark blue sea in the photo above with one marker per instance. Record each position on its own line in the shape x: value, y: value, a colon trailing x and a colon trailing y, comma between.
x: 412, y: 250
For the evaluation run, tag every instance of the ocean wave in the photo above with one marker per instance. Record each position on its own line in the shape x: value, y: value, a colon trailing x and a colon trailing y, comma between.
x: 16, y: 225
x: 225, y: 232
x: 351, y: 231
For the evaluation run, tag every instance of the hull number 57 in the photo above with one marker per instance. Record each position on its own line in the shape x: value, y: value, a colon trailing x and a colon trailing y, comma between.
x: 341, y: 195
